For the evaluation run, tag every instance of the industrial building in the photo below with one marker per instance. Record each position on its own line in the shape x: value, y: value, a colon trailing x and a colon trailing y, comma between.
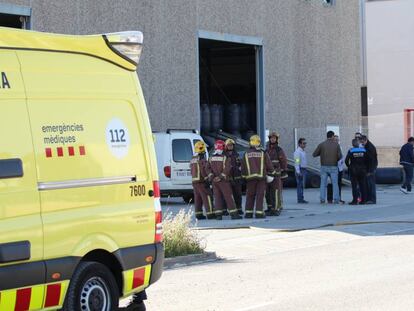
x: 293, y: 66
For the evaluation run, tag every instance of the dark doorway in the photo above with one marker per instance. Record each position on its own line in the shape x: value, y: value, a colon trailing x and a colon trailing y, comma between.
x: 12, y: 21
x: 228, y: 88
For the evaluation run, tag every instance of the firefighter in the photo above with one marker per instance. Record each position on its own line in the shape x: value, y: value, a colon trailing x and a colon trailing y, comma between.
x: 221, y: 169
x: 256, y: 165
x: 274, y: 197
x: 235, y: 174
x: 200, y: 172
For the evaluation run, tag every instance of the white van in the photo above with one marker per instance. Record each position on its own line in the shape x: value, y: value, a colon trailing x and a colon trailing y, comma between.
x: 174, y: 150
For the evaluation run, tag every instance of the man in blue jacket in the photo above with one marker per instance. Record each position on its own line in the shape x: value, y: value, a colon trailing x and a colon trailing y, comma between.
x: 407, y: 161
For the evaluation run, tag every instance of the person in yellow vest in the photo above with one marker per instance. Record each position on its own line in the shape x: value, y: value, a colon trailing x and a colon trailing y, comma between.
x: 201, y: 173
x: 256, y: 166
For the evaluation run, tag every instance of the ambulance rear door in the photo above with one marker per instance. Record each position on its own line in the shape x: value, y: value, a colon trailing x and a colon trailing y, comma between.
x: 182, y: 150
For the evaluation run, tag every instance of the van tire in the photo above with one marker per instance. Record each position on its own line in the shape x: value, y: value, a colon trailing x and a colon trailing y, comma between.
x: 188, y: 198
x: 92, y: 278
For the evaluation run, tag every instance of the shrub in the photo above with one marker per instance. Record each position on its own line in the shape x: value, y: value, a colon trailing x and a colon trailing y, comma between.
x: 179, y: 238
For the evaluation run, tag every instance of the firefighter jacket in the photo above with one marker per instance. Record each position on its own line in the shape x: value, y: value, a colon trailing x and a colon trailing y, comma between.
x: 278, y: 157
x: 256, y: 164
x: 200, y: 169
x: 220, y: 166
x: 235, y: 172
x: 357, y: 160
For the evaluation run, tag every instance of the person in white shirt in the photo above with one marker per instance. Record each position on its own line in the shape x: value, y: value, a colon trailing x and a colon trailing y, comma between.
x: 301, y: 164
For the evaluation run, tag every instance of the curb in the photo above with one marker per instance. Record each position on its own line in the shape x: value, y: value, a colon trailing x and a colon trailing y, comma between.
x: 189, y: 260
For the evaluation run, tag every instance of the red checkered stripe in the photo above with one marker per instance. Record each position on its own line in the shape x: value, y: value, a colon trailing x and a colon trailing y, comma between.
x: 69, y: 151
x: 39, y: 297
x: 136, y: 279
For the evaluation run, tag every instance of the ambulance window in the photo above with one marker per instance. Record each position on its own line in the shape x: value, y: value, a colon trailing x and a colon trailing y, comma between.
x: 182, y: 150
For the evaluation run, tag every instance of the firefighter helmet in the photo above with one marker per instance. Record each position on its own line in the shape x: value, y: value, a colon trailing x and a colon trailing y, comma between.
x: 219, y: 145
x: 274, y: 134
x: 255, y: 141
x: 200, y: 147
x: 230, y: 141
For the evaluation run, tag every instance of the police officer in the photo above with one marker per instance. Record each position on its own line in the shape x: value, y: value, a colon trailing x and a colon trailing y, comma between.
x: 200, y: 172
x: 274, y: 197
x: 357, y: 160
x: 256, y: 165
x: 235, y: 174
x: 221, y: 169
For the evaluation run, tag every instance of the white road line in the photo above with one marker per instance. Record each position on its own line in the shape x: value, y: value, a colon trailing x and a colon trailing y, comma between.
x: 266, y: 304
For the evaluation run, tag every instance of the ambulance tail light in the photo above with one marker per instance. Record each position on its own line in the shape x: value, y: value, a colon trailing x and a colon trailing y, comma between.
x: 167, y: 171
x: 127, y: 44
x: 158, y: 213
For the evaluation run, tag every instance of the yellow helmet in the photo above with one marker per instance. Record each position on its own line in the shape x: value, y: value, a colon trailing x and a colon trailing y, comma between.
x: 200, y: 147
x: 229, y: 141
x: 255, y: 141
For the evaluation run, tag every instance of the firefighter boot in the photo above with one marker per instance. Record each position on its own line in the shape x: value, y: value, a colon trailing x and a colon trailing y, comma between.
x: 235, y: 215
x: 200, y: 217
x: 271, y: 212
x: 211, y: 216
x: 248, y: 214
x: 260, y: 215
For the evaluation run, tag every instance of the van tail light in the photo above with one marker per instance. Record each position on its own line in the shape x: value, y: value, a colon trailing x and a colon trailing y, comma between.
x: 127, y: 44
x: 167, y: 171
x: 158, y: 213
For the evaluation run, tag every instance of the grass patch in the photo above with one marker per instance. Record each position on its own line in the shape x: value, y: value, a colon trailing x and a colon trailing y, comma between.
x: 179, y: 239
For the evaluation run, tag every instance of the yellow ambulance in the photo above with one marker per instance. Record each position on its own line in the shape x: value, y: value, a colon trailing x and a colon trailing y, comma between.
x: 80, y: 214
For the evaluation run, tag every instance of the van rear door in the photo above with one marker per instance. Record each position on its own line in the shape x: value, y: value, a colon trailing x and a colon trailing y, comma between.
x: 182, y: 150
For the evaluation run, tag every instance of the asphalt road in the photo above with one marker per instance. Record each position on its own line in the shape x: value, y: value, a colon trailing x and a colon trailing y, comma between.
x: 363, y: 259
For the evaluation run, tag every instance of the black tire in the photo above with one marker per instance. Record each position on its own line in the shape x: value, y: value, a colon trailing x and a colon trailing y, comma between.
x: 92, y: 288
x: 315, y: 181
x: 188, y: 198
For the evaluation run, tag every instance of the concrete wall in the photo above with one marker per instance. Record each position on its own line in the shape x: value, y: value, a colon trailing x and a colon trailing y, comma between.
x: 390, y: 56
x: 312, y: 54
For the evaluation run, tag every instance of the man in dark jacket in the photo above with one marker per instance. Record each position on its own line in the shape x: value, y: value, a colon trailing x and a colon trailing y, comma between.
x: 407, y: 161
x: 357, y: 161
x: 372, y: 168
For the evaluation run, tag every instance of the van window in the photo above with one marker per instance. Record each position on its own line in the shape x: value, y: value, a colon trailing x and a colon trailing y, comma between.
x: 182, y: 150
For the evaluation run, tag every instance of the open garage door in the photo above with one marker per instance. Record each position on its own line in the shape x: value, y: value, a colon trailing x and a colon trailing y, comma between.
x: 15, y: 16
x: 230, y: 88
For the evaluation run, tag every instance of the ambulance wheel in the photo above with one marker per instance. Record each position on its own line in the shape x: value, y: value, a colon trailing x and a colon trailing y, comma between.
x: 92, y: 288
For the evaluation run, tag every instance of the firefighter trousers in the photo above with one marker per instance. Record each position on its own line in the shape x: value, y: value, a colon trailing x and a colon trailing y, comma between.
x: 202, y: 196
x: 255, y: 192
x: 223, y: 194
x: 274, y: 197
x: 236, y: 187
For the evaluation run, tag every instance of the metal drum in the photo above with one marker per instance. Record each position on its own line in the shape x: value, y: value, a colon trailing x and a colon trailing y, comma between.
x: 216, y: 114
x: 205, y: 118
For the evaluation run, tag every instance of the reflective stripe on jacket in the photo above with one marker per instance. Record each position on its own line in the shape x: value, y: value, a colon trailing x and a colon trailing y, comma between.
x: 200, y: 170
x: 256, y: 164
